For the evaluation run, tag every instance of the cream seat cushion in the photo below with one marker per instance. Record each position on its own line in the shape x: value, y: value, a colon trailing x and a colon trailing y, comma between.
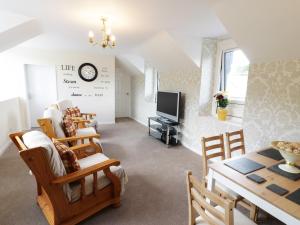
x: 103, y: 181
x: 238, y: 218
x: 93, y: 123
x: 87, y: 131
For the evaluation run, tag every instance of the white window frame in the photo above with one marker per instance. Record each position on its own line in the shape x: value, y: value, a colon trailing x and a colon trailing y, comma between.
x: 223, y: 47
x: 151, y: 83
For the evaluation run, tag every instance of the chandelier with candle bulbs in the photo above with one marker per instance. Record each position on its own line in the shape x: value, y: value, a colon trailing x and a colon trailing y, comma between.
x: 108, y: 39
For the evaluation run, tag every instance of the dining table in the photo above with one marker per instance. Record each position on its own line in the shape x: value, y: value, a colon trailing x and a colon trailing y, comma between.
x: 276, y: 205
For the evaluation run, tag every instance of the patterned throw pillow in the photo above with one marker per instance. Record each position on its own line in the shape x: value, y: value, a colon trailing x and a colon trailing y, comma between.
x: 69, y: 126
x: 67, y: 156
x: 73, y: 112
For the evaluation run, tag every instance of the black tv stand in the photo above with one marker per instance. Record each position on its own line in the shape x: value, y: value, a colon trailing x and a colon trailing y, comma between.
x: 163, y: 129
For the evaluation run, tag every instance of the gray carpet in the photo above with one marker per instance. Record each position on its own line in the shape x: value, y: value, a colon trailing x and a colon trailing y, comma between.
x: 155, y: 194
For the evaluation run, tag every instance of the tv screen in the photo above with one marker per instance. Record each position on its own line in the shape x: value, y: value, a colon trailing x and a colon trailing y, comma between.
x: 168, y: 105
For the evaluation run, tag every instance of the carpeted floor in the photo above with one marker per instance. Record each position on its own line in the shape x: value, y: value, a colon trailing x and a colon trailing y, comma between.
x: 155, y: 194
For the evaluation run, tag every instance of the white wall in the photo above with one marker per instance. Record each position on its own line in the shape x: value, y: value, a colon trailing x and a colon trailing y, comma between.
x: 140, y: 108
x: 41, y: 90
x: 97, y: 96
x: 105, y: 109
x: 10, y: 120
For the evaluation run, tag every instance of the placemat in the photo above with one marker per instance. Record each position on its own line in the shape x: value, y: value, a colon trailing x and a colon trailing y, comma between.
x: 294, y: 197
x: 244, y: 165
x: 271, y: 153
x: 291, y: 176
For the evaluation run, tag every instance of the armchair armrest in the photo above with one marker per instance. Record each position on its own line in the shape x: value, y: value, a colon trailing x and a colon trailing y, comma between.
x: 81, y: 121
x: 89, y: 114
x: 74, y: 138
x: 85, y: 172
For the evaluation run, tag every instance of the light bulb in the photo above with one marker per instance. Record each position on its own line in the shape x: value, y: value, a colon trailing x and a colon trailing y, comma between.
x: 112, y: 38
x: 91, y: 36
x: 108, y: 31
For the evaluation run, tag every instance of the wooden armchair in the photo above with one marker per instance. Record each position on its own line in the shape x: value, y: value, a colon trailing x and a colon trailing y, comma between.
x: 51, y: 125
x: 52, y: 197
x: 88, y: 118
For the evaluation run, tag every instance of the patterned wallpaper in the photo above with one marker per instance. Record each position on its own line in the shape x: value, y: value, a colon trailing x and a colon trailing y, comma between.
x: 272, y: 109
x: 195, y: 125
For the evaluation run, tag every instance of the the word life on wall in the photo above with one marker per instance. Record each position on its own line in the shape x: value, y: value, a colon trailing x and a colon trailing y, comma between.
x: 84, y: 80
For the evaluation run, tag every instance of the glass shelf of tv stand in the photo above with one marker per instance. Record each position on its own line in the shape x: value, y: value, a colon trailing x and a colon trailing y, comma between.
x: 165, y: 131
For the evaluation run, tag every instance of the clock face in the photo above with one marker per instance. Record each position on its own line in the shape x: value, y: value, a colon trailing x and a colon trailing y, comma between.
x: 88, y: 72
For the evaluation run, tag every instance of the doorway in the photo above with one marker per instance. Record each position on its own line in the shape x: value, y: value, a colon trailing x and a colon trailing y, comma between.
x: 41, y: 90
x: 123, y: 103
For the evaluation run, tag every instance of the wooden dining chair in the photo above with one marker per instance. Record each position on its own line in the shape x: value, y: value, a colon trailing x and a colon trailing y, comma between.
x: 214, y: 147
x: 235, y: 142
x: 222, y: 213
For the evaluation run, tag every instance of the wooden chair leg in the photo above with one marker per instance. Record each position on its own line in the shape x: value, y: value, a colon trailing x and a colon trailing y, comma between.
x: 253, y: 212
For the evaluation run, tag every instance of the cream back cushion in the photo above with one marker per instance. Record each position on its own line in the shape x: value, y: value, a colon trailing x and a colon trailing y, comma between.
x: 35, y: 139
x: 56, y: 116
x: 64, y: 104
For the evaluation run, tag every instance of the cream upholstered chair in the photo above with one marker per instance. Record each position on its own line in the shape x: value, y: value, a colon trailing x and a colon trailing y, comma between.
x: 51, y: 124
x: 70, y: 198
x: 213, y: 148
x: 201, y: 212
x: 64, y: 104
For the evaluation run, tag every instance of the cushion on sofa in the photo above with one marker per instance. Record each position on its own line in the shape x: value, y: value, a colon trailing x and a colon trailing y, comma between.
x: 103, y: 181
x: 67, y: 156
x: 35, y: 139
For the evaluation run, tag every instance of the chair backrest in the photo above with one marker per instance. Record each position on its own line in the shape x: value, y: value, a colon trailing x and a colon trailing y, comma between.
x: 40, y: 155
x: 198, y: 202
x: 212, y: 147
x: 51, y: 123
x: 62, y: 105
x: 235, y: 141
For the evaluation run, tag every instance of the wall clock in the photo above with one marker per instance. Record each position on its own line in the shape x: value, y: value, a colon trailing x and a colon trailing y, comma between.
x: 88, y: 72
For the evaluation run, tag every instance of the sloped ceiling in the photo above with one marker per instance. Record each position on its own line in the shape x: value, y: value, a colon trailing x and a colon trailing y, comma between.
x: 66, y: 23
x: 129, y: 66
x: 163, y: 52
x: 16, y: 29
x: 266, y: 30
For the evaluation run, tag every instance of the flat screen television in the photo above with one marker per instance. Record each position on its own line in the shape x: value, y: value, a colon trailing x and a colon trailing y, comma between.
x: 168, y: 105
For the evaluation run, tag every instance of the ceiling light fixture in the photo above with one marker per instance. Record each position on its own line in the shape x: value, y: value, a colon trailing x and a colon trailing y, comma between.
x: 108, y: 39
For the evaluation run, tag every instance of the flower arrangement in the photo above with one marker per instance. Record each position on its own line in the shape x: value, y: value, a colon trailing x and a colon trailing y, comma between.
x: 221, y: 99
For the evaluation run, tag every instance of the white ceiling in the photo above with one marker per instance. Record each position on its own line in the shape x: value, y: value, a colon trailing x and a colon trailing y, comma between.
x: 66, y: 23
x: 266, y: 30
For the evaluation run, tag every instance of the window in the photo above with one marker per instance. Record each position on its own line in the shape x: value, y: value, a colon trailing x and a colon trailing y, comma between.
x: 234, y: 74
x: 151, y: 83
